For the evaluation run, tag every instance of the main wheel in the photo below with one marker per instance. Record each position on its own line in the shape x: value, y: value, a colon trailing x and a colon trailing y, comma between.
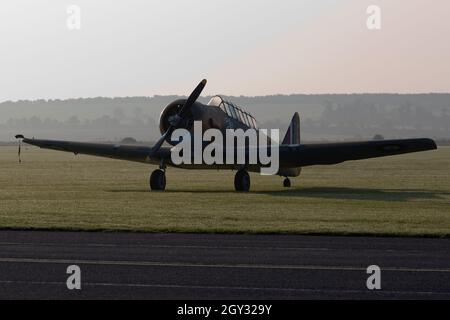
x: 287, y: 183
x: 158, y: 180
x: 242, y: 181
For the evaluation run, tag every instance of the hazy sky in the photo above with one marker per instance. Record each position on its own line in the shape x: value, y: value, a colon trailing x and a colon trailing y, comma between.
x: 251, y: 47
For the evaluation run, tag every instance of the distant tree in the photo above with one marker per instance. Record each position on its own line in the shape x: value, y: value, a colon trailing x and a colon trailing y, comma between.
x: 105, y: 121
x: 73, y: 121
x: 129, y: 140
x: 378, y: 137
x: 35, y: 122
x: 118, y: 113
x: 138, y: 113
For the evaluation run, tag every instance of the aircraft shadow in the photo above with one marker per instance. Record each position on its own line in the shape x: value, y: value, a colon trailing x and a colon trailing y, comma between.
x: 325, y: 193
x: 360, y: 193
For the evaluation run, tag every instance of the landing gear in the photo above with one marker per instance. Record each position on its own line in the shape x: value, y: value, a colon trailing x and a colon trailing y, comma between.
x: 242, y: 181
x: 158, y: 180
x: 286, y: 183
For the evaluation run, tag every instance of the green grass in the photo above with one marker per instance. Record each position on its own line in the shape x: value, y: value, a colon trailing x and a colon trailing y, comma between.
x: 403, y: 196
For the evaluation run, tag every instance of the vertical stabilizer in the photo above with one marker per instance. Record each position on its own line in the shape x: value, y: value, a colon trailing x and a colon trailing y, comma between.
x: 293, y: 133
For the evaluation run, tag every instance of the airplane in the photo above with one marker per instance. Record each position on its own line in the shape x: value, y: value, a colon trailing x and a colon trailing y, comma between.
x: 222, y: 115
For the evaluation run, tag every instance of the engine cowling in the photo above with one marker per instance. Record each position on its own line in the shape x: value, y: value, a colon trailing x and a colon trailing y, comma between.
x: 168, y: 117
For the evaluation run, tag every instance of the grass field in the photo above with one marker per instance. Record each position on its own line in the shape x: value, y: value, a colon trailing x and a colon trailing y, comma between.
x: 402, y: 195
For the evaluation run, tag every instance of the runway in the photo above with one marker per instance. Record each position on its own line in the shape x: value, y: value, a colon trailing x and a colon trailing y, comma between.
x: 207, y: 266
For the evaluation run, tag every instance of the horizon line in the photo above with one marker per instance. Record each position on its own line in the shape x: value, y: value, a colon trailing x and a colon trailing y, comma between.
x: 235, y: 96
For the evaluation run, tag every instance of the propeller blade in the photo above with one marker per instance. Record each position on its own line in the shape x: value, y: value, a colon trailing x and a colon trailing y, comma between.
x: 161, y: 140
x: 193, y: 97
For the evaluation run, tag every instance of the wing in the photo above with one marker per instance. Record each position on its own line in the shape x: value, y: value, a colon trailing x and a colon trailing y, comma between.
x: 290, y: 156
x: 115, y: 151
x: 332, y: 153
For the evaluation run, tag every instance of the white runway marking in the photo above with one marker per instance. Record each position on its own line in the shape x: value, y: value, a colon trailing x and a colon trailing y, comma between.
x: 205, y: 265
x: 97, y: 245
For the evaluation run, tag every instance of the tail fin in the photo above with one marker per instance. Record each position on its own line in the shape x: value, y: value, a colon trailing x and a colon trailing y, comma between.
x: 293, y: 133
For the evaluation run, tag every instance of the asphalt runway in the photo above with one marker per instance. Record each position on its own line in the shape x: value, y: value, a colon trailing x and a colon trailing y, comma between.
x: 33, y: 265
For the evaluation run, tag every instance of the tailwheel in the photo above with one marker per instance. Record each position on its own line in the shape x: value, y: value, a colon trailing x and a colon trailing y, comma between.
x: 286, y: 183
x: 242, y: 181
x: 158, y: 180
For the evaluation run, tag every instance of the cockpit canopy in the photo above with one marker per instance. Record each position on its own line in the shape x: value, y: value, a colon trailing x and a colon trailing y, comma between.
x: 234, y: 111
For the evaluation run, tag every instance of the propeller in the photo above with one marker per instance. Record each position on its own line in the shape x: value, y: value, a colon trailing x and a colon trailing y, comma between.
x: 180, y: 116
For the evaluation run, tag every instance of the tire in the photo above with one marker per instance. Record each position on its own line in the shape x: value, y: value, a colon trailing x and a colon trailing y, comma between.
x: 242, y: 181
x: 158, y: 180
x: 287, y: 183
